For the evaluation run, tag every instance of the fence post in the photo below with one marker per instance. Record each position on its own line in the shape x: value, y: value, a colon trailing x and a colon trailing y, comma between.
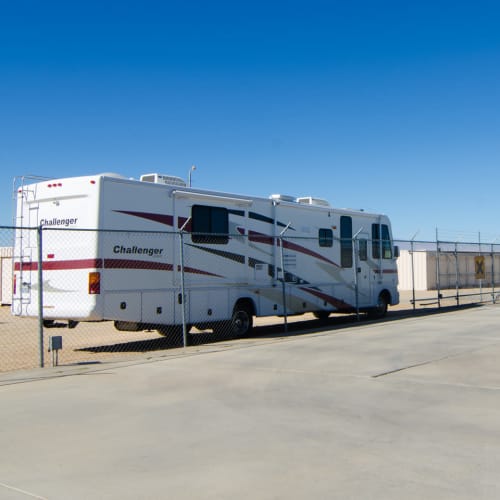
x: 493, y: 273
x: 480, y: 280
x: 183, y: 291
x: 40, y: 294
x: 356, y: 278
x: 183, y: 295
x: 355, y: 250
x: 412, y: 274
x: 457, y: 276
x: 438, y: 273
x: 283, y: 284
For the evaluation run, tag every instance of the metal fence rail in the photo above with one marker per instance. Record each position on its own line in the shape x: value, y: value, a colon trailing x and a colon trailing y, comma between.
x: 432, y: 275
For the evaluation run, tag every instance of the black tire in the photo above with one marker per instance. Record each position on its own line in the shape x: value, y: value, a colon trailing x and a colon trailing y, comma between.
x: 241, y: 323
x: 380, y: 310
x: 321, y: 315
x: 173, y: 332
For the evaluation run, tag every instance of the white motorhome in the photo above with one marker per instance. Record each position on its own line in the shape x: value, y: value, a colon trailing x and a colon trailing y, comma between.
x: 155, y: 253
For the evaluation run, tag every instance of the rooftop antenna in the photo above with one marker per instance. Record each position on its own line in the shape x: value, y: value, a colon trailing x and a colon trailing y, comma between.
x: 193, y: 167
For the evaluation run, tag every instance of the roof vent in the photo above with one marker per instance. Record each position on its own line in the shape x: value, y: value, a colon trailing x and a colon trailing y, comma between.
x: 282, y: 197
x: 171, y: 180
x: 113, y: 174
x: 309, y: 200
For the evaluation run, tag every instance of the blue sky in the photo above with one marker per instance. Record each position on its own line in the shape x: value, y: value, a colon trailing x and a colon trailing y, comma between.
x: 389, y: 106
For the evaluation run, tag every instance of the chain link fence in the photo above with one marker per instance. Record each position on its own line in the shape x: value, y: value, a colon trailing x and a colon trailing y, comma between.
x: 444, y: 273
x: 171, y: 290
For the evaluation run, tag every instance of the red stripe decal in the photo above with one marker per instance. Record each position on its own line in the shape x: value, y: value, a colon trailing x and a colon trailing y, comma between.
x: 306, y: 251
x: 67, y: 265
x: 59, y: 265
x: 260, y: 238
x: 181, y: 221
x: 200, y: 271
x: 136, y: 264
x: 168, y: 220
x: 339, y: 304
x: 269, y: 240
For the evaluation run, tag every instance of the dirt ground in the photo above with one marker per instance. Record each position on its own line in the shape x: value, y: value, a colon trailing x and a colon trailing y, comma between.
x: 97, y: 342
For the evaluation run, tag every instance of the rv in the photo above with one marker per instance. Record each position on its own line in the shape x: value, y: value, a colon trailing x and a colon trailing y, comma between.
x: 156, y: 253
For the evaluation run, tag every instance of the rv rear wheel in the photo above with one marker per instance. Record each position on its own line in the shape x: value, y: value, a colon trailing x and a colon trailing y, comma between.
x: 240, y: 324
x: 242, y: 321
x: 173, y: 332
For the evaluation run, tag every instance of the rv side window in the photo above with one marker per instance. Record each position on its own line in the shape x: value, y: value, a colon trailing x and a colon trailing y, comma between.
x: 363, y: 249
x: 325, y: 237
x: 345, y: 241
x: 376, y: 241
x: 209, y: 225
x: 379, y: 244
x: 386, y: 243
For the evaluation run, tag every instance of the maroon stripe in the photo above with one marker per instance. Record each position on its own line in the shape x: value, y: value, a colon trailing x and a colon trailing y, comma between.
x: 168, y: 220
x: 181, y: 221
x: 58, y: 265
x: 25, y: 266
x: 260, y: 238
x: 65, y: 265
x: 269, y: 240
x: 136, y: 264
x: 306, y: 251
x: 338, y: 303
x: 200, y: 271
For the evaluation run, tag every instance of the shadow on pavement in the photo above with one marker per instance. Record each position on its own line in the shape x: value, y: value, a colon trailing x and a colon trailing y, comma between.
x: 294, y: 329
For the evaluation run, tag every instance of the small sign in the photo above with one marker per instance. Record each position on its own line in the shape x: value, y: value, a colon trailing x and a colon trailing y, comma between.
x: 479, y: 262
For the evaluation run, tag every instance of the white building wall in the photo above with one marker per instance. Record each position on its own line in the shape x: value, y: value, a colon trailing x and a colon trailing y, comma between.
x: 419, y: 274
x: 424, y: 270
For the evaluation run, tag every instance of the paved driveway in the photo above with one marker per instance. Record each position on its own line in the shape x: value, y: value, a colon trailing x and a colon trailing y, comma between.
x: 405, y: 409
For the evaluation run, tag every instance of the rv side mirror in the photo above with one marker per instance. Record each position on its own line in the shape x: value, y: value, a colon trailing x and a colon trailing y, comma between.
x: 396, y: 251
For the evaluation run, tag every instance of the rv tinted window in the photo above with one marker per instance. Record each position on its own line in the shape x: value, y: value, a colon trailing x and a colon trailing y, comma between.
x: 386, y: 243
x: 381, y: 244
x: 376, y: 241
x: 209, y: 224
x: 363, y: 249
x: 325, y: 237
x: 345, y: 241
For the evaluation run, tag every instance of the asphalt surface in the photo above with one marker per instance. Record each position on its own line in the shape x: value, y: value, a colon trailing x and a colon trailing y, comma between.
x: 402, y: 409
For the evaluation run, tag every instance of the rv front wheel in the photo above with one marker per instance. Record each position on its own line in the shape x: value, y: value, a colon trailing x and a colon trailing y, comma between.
x: 380, y: 310
x: 321, y: 315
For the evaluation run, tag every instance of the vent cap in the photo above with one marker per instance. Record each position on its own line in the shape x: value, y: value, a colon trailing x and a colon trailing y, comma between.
x: 283, y: 197
x: 171, y: 180
x: 310, y: 200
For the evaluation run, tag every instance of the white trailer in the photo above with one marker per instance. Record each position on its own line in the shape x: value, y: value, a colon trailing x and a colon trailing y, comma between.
x: 154, y: 253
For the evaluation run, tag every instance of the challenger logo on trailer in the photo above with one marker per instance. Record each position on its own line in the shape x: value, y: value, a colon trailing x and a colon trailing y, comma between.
x: 135, y: 250
x: 59, y: 222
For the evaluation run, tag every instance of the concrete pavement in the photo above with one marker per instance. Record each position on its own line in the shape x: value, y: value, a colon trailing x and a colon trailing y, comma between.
x: 384, y: 410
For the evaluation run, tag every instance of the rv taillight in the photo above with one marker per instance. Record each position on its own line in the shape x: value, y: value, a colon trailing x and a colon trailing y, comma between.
x: 94, y: 283
x: 14, y: 283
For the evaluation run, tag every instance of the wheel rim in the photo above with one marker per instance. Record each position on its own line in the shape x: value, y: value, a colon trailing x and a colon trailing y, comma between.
x: 381, y: 305
x: 241, y: 322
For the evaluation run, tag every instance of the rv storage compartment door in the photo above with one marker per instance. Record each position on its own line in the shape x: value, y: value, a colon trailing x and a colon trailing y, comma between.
x: 209, y: 305
x: 158, y: 307
x: 124, y: 306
